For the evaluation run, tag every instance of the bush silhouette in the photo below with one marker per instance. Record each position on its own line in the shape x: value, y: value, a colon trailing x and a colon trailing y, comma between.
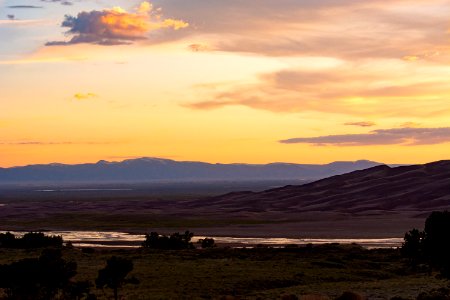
x: 175, y: 241
x: 207, y: 243
x: 37, y: 278
x: 7, y: 240
x: 30, y: 240
x: 114, y: 274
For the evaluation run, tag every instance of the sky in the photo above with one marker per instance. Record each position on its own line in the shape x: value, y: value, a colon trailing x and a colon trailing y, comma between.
x: 252, y: 81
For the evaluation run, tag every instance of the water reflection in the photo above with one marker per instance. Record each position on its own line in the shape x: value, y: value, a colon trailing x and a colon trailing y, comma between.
x: 127, y: 240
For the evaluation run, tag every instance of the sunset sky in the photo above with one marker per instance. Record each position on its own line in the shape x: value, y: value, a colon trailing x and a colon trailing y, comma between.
x: 251, y: 81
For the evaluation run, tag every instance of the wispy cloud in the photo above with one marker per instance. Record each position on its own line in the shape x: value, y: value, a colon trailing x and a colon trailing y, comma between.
x: 50, y: 143
x: 85, y: 96
x: 346, y: 29
x: 19, y: 22
x: 360, y: 124
x: 43, y: 60
x: 62, y: 2
x: 199, y: 47
x: 410, y: 124
x: 395, y: 136
x: 24, y: 6
x: 116, y: 26
x: 357, y: 89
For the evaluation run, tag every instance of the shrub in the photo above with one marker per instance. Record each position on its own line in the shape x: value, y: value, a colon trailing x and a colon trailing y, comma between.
x: 175, y: 241
x: 207, y: 243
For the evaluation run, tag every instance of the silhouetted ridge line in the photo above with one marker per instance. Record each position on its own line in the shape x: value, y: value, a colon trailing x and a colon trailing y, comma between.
x: 148, y: 169
x: 379, y: 188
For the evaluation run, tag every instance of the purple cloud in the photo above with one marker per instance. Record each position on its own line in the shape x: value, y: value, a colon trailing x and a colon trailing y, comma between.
x: 395, y: 136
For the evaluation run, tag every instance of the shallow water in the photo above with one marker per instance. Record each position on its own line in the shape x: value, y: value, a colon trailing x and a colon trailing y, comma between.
x: 126, y: 240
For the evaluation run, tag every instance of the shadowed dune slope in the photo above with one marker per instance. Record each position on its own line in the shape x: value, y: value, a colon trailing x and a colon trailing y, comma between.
x: 381, y: 188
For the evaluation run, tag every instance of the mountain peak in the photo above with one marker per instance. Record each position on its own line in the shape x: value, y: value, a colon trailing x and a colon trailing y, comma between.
x: 147, y: 160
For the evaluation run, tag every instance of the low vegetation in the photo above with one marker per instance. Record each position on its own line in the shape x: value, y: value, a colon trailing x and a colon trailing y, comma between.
x: 169, y: 267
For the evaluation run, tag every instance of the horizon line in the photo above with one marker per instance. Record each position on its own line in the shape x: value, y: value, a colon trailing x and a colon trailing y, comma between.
x: 206, y: 162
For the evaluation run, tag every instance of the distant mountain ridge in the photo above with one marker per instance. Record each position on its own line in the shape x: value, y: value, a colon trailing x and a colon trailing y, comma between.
x: 151, y: 169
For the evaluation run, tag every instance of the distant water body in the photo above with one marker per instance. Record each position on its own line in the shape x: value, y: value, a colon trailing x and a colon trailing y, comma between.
x: 127, y: 240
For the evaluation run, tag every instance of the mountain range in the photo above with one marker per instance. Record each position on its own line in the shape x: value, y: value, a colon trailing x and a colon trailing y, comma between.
x: 379, y: 201
x: 154, y: 169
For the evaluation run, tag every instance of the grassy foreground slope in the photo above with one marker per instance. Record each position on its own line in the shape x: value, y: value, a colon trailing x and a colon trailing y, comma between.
x: 259, y: 273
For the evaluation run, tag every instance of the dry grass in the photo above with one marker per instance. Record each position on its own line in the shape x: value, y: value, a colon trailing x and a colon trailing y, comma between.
x: 320, y: 273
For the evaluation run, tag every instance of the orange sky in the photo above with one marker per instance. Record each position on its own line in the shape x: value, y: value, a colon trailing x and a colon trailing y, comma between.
x: 225, y: 81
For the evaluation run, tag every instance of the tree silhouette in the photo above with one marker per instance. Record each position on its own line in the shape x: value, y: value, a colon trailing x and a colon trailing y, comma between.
x: 413, y: 246
x: 114, y: 274
x: 437, y: 241
x: 431, y: 246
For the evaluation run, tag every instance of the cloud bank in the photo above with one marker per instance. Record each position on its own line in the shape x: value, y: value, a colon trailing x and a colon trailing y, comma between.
x: 116, y: 26
x: 396, y: 136
x: 383, y: 47
x: 346, y: 29
x: 357, y: 89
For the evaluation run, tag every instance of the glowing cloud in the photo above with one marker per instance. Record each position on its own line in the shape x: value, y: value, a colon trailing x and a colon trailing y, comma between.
x: 116, y: 26
x: 87, y: 96
x: 199, y: 47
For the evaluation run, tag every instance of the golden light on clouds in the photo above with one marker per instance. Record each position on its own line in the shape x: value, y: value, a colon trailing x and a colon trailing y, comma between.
x: 171, y: 23
x: 119, y: 22
x: 122, y: 23
x: 221, y: 81
x: 116, y: 26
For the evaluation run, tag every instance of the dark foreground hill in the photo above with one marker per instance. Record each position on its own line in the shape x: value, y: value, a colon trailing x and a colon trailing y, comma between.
x: 420, y: 188
x: 151, y: 169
